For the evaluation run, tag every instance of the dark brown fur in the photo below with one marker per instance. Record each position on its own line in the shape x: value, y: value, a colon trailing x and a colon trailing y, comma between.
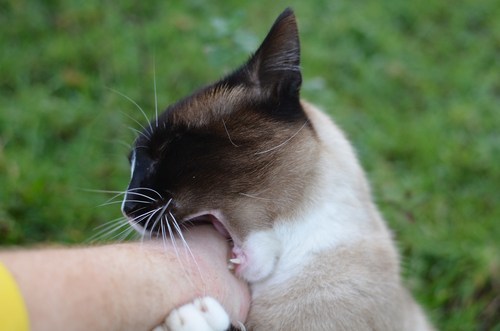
x: 235, y: 144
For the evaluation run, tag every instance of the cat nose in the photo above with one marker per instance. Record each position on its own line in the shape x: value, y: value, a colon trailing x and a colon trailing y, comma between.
x: 134, y: 202
x: 128, y: 207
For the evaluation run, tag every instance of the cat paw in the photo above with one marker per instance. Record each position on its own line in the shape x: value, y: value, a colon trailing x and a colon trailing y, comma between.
x: 203, y: 314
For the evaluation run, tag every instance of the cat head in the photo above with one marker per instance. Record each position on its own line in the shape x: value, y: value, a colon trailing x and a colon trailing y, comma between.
x: 237, y: 153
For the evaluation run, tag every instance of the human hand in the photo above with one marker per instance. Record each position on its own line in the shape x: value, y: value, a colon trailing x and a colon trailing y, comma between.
x: 212, y: 252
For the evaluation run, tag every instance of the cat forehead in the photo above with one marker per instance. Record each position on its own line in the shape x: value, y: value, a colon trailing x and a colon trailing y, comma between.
x: 207, y: 110
x: 209, y: 105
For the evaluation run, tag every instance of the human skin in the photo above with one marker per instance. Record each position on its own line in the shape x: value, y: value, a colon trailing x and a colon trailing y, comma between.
x: 128, y: 286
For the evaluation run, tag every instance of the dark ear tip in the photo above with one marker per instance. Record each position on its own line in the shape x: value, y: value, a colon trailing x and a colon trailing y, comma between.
x: 287, y: 13
x: 287, y: 17
x: 275, y: 66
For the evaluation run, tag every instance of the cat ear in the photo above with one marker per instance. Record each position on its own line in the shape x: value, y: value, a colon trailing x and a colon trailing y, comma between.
x: 275, y: 67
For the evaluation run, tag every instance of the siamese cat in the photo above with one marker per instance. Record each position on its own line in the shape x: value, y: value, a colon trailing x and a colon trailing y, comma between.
x: 280, y: 180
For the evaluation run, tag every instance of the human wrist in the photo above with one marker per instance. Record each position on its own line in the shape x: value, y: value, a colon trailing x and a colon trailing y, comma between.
x: 209, y: 275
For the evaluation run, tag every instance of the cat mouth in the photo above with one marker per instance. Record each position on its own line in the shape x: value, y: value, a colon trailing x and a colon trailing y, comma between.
x: 218, y: 221
x: 215, y: 218
x: 212, y: 217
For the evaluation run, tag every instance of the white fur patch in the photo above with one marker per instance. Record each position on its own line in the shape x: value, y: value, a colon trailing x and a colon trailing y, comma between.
x: 132, y: 164
x: 278, y: 254
x: 338, y: 211
x: 258, y: 255
x: 133, y: 224
x: 132, y: 168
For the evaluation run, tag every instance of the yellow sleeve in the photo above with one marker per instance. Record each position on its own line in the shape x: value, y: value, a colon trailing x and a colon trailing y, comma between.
x: 13, y: 314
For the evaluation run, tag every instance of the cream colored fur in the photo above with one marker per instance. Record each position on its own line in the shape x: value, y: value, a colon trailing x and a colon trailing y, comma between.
x: 329, y: 265
x: 337, y: 268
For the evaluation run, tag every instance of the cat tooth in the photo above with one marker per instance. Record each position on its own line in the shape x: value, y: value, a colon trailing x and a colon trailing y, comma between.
x: 230, y: 266
x: 235, y: 261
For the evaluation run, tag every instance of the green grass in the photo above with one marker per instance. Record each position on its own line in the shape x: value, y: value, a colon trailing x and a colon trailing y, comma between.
x: 415, y: 86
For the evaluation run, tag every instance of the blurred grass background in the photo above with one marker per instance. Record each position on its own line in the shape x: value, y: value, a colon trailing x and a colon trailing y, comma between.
x: 416, y: 85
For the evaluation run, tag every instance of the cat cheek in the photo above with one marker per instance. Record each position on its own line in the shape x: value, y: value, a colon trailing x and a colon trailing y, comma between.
x: 258, y: 255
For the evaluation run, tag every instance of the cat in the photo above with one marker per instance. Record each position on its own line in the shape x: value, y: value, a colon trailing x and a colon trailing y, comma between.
x: 278, y: 177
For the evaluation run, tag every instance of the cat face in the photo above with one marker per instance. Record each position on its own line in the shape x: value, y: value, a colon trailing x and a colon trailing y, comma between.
x: 237, y: 153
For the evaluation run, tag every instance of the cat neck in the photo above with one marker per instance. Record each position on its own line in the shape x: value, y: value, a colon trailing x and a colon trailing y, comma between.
x: 338, y: 209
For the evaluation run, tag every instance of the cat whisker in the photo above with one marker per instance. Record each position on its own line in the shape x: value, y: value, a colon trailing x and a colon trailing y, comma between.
x: 228, y: 135
x: 254, y: 196
x: 138, y: 132
x: 104, y: 191
x: 107, y: 229
x: 167, y: 204
x: 104, y: 229
x: 147, y: 215
x: 137, y: 194
x: 141, y: 195
x: 123, y: 234
x: 135, y: 103
x: 158, y: 219
x: 107, y: 203
x: 155, y: 214
x: 283, y: 143
x: 144, y: 131
x: 179, y: 232
x: 130, y: 191
x: 164, y: 234
x: 128, y: 233
x: 156, y: 94
x: 109, y: 223
x: 112, y: 200
x: 135, y: 222
x: 116, y: 193
x: 144, y: 189
x: 186, y: 246
x: 174, y: 243
x: 147, y: 223
x: 123, y: 143
x: 142, y: 209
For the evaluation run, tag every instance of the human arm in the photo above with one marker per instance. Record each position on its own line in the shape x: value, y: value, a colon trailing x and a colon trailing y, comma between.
x: 130, y: 286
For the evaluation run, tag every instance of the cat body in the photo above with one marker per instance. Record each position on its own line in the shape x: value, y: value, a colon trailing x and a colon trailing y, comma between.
x: 277, y: 177
x: 338, y: 268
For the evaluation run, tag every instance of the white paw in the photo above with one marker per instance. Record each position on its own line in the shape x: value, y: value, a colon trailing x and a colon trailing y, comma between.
x: 203, y: 314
